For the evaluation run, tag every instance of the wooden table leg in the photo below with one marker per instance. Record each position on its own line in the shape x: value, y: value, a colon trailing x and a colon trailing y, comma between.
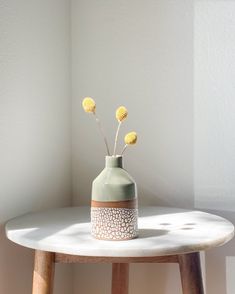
x: 190, y: 272
x: 43, y: 274
x: 120, y: 278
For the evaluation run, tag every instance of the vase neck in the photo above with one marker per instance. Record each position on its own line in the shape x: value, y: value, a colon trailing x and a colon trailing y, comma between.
x: 113, y: 161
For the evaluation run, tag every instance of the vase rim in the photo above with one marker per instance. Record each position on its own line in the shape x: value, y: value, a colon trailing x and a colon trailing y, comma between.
x: 113, y: 161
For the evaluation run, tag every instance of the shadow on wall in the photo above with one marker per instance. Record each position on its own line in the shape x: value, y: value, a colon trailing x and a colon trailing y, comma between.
x: 155, y: 278
x: 217, y: 268
x: 163, y: 195
x: 10, y: 254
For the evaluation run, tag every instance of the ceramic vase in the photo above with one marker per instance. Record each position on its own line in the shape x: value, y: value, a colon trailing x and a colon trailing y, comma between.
x: 114, y: 206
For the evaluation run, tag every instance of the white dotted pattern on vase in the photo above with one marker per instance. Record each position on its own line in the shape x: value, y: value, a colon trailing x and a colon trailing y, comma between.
x: 114, y: 223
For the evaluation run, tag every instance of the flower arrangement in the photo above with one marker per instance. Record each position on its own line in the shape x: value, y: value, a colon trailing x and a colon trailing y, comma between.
x: 130, y: 138
x: 114, y: 205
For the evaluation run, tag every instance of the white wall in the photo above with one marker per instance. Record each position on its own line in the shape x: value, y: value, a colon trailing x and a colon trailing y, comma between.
x: 140, y: 54
x: 34, y: 125
x: 214, y: 140
x: 214, y: 62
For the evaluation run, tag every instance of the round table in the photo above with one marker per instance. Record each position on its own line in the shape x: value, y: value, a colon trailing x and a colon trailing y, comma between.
x: 166, y: 234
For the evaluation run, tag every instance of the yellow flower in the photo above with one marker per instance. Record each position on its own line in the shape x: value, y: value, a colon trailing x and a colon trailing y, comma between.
x: 121, y: 113
x: 131, y: 138
x: 89, y: 105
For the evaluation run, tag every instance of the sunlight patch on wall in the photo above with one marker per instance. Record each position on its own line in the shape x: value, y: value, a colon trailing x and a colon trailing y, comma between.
x: 214, y: 104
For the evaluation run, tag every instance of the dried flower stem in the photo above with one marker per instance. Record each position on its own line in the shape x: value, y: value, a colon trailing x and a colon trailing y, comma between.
x: 116, y: 138
x: 102, y: 132
x: 124, y: 148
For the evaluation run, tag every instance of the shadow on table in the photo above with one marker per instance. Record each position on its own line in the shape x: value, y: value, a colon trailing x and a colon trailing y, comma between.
x: 148, y: 233
x: 42, y: 224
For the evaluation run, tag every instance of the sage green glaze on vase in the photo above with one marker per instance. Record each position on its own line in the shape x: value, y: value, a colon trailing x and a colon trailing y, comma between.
x: 114, y: 183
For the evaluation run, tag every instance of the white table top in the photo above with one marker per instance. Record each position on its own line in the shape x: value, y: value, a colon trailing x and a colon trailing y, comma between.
x: 162, y: 231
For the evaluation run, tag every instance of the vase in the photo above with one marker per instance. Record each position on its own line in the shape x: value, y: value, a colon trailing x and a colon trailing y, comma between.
x: 114, y: 205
